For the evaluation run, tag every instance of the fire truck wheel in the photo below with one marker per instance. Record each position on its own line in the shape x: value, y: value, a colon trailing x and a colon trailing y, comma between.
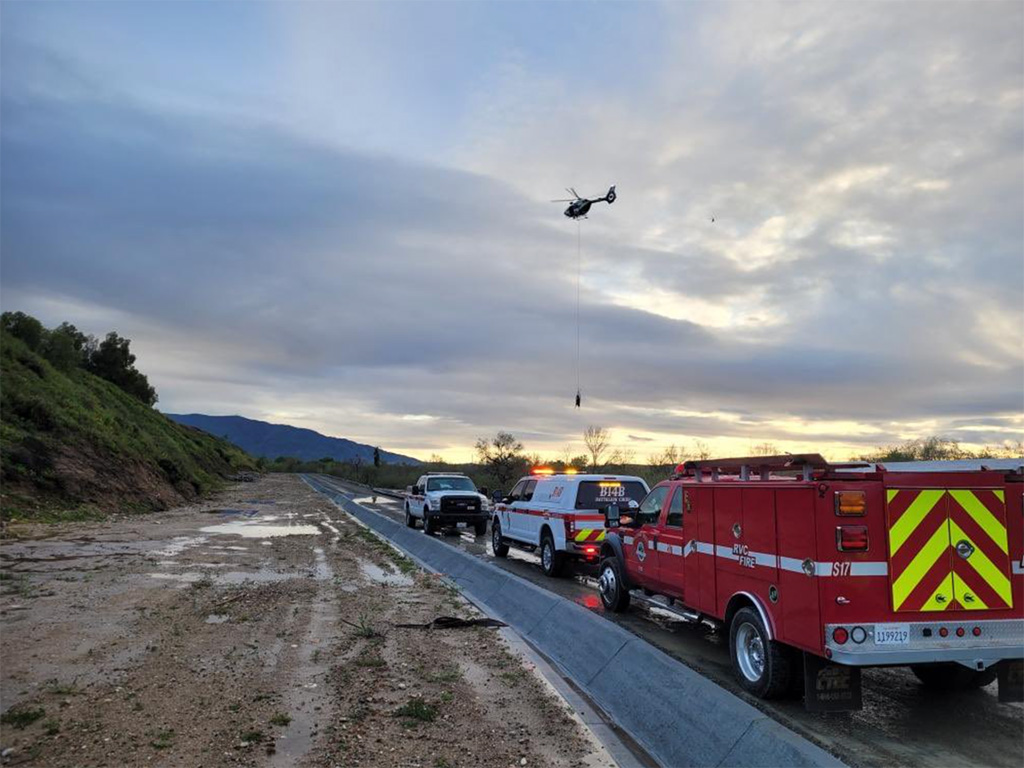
x: 551, y: 560
x: 762, y: 666
x: 614, y: 594
x: 480, y: 528
x: 498, y: 545
x: 410, y: 521
x: 951, y: 676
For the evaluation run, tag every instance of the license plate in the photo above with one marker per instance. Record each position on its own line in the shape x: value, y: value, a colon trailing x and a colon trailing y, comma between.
x: 461, y: 525
x: 892, y: 634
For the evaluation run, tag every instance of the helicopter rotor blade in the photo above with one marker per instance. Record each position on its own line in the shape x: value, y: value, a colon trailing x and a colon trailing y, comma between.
x: 565, y: 200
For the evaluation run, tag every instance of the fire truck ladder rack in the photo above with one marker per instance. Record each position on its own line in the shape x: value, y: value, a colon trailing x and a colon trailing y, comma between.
x: 804, y: 464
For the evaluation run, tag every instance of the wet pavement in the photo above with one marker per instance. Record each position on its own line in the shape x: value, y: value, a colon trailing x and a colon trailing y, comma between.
x: 901, y: 722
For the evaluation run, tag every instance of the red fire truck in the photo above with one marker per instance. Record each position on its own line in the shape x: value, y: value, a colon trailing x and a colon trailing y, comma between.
x: 817, y: 570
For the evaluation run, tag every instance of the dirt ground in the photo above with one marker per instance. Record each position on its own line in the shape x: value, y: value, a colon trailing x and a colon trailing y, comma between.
x: 257, y: 628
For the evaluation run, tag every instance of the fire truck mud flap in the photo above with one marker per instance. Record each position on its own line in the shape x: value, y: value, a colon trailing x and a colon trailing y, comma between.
x: 679, y: 717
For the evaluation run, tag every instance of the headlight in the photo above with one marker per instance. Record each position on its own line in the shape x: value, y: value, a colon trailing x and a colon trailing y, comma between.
x: 434, y: 503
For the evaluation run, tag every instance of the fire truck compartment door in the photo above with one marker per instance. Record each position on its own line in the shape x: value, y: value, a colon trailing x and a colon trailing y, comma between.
x: 948, y: 549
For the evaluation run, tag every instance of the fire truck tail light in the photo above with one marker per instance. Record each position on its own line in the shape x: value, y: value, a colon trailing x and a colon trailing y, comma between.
x: 851, y: 503
x: 858, y: 635
x: 852, y: 538
x: 959, y: 631
x: 943, y: 632
x: 976, y: 631
x: 840, y: 635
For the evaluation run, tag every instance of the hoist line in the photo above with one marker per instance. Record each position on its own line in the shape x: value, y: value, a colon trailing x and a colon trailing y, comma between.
x: 579, y: 272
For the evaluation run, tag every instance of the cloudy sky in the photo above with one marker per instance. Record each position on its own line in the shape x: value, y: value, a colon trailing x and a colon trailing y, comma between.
x: 337, y: 215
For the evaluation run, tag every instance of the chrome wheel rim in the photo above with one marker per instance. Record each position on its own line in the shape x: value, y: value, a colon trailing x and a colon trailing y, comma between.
x: 607, y: 584
x: 495, y: 536
x: 546, y: 555
x: 750, y: 652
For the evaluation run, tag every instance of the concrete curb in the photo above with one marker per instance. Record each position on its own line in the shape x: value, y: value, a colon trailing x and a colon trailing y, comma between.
x: 678, y: 716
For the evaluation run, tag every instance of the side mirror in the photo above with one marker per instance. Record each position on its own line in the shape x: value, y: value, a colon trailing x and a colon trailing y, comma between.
x: 483, y: 491
x: 634, y: 505
x: 506, y: 500
x: 416, y: 490
x: 611, y: 516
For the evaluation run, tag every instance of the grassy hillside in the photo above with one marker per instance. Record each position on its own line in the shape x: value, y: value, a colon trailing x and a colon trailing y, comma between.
x: 74, y: 445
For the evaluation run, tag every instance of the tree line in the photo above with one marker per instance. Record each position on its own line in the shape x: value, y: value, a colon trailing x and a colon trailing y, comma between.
x: 67, y: 348
x: 503, y: 459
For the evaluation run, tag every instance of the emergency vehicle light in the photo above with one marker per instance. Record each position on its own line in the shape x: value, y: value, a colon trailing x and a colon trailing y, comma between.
x: 570, y: 471
x: 852, y: 538
x: 609, y: 485
x: 851, y: 503
x: 542, y: 471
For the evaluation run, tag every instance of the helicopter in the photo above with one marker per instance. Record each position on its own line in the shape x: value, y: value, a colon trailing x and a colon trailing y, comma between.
x: 581, y: 205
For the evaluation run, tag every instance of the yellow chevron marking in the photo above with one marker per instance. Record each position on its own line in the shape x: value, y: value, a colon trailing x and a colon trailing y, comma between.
x: 982, y: 516
x: 1000, y: 495
x: 600, y: 536
x: 944, y: 590
x: 908, y: 522
x: 923, y: 561
x: 988, y: 571
x: 890, y: 494
x: 965, y: 595
x: 582, y: 535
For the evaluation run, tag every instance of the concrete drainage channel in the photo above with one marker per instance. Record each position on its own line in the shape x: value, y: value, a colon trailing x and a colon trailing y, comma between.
x: 677, y: 716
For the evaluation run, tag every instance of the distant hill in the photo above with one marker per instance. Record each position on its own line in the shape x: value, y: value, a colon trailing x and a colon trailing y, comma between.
x: 260, y: 438
x: 74, y: 445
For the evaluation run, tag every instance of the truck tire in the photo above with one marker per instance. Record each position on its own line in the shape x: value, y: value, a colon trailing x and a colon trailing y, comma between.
x: 551, y: 560
x: 762, y: 666
x: 429, y: 526
x: 950, y: 676
x: 498, y: 545
x: 480, y: 528
x: 612, y: 586
x: 410, y: 521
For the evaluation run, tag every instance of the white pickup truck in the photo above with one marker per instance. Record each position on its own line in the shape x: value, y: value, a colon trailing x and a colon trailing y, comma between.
x: 444, y: 500
x: 562, y: 515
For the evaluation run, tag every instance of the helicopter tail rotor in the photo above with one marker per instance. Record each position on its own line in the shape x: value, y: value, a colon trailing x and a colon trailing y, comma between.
x: 610, y: 197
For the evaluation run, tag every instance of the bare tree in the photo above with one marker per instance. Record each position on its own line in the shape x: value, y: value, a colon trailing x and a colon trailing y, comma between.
x: 669, y: 457
x: 701, y: 451
x: 622, y: 456
x: 765, y: 449
x: 596, y: 439
x: 502, y: 455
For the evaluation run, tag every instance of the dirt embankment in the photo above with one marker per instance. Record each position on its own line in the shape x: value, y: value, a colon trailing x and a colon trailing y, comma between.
x: 257, y: 629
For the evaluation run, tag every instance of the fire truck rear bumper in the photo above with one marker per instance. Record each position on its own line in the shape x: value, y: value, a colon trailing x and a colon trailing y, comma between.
x: 998, y: 640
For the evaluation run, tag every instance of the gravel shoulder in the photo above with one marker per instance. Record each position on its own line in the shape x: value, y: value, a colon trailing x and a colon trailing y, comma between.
x: 257, y: 628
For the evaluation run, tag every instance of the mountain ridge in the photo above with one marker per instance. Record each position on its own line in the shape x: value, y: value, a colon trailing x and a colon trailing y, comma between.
x: 264, y: 438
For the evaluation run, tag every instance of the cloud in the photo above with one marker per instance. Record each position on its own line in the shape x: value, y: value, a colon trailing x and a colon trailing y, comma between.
x: 862, y: 280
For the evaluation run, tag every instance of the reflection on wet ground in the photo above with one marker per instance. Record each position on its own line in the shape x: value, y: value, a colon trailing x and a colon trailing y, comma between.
x: 379, y: 575
x: 901, y: 723
x: 260, y: 528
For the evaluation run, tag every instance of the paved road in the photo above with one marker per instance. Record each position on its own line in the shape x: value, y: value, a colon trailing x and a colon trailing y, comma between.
x: 900, y: 724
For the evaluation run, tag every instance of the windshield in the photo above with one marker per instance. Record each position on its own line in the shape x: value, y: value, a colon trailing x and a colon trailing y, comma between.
x: 450, y: 484
x: 598, y: 494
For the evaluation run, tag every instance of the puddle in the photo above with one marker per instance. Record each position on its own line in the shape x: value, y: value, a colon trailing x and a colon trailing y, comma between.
x: 178, y: 545
x: 216, y: 618
x: 377, y: 574
x: 249, y: 529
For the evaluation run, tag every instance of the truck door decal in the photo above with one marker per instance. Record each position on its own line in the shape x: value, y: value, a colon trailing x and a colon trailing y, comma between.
x: 948, y: 549
x: 977, y: 532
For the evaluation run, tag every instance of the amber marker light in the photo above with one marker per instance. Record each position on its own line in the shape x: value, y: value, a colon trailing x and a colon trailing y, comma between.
x: 851, y: 503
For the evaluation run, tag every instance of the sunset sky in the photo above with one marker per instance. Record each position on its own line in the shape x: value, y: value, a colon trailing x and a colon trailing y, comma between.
x: 338, y: 216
